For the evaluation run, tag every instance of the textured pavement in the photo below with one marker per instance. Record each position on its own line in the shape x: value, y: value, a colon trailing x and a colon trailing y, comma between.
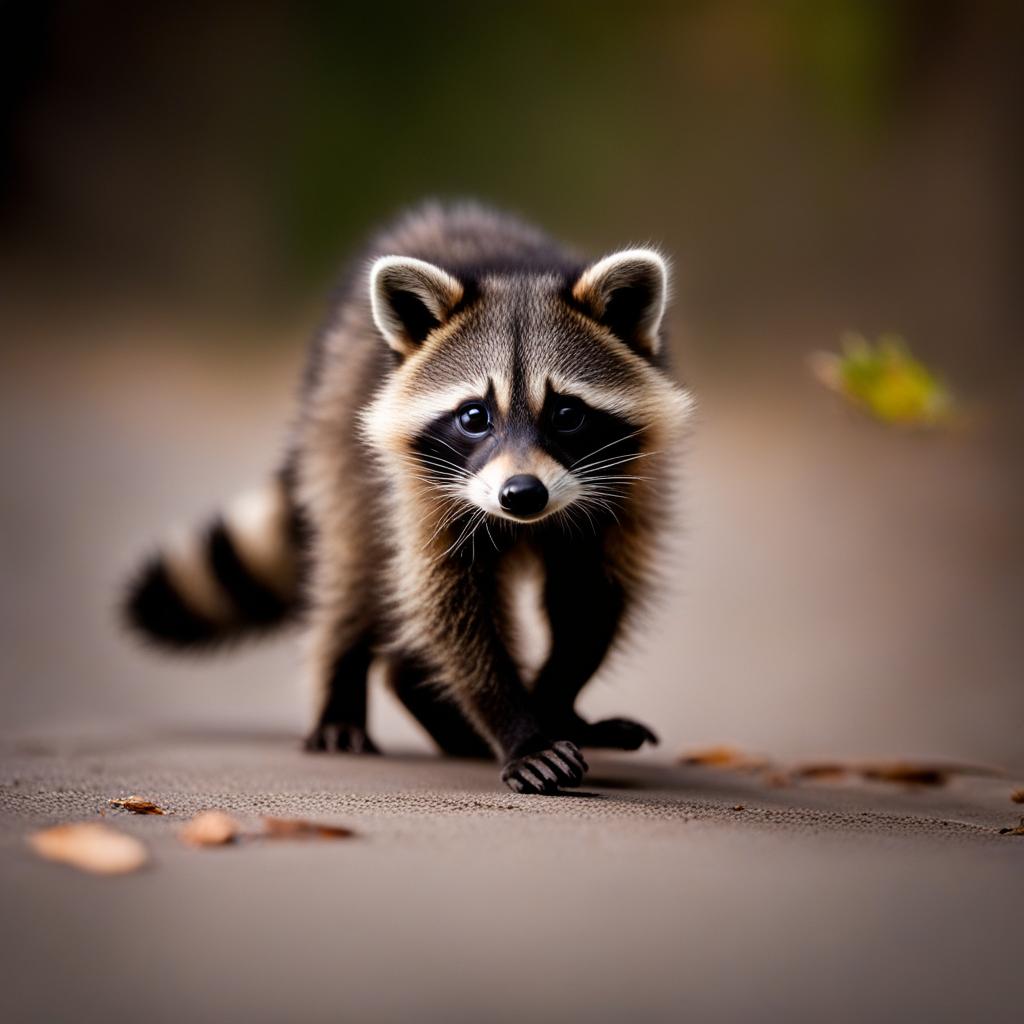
x: 839, y: 592
x: 647, y: 896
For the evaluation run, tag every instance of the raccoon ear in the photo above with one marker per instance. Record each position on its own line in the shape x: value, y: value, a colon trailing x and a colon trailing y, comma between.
x: 627, y: 292
x: 410, y: 298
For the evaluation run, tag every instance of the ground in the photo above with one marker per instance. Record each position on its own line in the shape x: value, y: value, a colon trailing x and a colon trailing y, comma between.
x: 837, y: 592
x: 649, y: 895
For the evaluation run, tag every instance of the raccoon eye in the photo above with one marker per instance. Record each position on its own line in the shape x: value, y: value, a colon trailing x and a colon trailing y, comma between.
x: 473, y: 419
x: 568, y: 415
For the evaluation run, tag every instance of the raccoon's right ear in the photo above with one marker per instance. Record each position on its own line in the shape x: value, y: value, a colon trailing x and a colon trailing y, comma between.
x: 410, y: 298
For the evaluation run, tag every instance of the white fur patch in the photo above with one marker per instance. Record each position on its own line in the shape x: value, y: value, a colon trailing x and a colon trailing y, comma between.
x: 398, y: 414
x: 258, y: 524
x: 485, y: 485
x: 522, y: 592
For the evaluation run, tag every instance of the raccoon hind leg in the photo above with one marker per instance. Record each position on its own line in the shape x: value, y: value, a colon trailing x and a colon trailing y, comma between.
x: 341, y: 724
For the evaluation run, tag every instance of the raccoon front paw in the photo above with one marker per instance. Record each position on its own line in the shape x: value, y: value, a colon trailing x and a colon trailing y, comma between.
x: 340, y: 737
x: 546, y: 771
x: 617, y: 734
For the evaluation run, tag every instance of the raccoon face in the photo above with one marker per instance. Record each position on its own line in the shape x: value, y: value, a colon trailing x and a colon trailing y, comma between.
x: 523, y: 396
x: 524, y: 461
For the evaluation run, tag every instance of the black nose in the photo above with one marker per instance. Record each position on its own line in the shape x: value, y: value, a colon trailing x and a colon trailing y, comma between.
x: 523, y: 495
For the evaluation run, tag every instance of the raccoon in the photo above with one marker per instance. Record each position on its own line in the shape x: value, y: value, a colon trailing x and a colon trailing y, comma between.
x: 478, y: 395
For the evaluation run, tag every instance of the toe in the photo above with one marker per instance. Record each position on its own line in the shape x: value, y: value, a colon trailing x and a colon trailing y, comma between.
x: 358, y: 742
x: 568, y: 772
x: 533, y: 783
x: 548, y: 771
x: 315, y: 742
x: 340, y: 737
x: 568, y: 751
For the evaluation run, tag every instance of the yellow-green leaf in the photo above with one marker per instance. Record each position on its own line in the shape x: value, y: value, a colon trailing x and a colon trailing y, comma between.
x: 886, y: 381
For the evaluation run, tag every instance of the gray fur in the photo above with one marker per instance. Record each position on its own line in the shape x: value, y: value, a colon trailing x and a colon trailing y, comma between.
x: 406, y: 545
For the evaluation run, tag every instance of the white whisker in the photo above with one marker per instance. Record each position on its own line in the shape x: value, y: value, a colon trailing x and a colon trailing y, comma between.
x: 618, y: 440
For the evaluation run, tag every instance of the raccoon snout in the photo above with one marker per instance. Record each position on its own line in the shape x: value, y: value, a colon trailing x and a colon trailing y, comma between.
x: 523, y: 495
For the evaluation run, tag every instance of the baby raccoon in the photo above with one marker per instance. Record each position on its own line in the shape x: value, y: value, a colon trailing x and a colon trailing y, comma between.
x: 477, y: 395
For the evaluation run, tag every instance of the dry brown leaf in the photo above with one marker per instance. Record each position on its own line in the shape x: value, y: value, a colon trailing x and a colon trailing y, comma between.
x: 720, y: 755
x: 210, y: 828
x: 1017, y: 796
x: 773, y: 773
x: 950, y: 768
x: 1017, y: 830
x: 297, y: 828
x: 723, y: 757
x: 933, y: 773
x: 90, y: 846
x: 820, y: 770
x: 136, y: 805
x: 906, y: 772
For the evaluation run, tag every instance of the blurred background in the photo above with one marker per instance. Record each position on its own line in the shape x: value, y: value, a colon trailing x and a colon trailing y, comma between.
x: 178, y: 188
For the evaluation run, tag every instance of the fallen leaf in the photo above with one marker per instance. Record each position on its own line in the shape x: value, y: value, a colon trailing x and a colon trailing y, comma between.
x: 210, y: 828
x: 711, y: 755
x: 775, y: 773
x: 136, y: 805
x: 823, y: 770
x: 941, y: 771
x: 90, y: 846
x: 297, y: 828
x: 723, y: 757
x: 1016, y: 831
x: 905, y: 772
x: 1017, y: 796
x: 885, y: 381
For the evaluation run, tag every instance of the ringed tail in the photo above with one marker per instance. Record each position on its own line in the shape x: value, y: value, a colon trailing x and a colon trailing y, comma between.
x: 236, y: 576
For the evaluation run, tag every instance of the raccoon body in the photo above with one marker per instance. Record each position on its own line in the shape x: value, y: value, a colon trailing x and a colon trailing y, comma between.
x: 479, y: 400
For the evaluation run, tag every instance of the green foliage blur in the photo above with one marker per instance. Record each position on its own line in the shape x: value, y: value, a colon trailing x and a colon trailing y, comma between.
x: 806, y: 163
x: 555, y: 107
x: 887, y: 382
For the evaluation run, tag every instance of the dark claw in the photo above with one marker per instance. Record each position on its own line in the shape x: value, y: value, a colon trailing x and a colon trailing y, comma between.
x: 546, y: 771
x: 340, y: 737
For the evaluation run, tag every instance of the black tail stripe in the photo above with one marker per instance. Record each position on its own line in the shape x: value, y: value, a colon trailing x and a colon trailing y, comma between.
x: 155, y: 607
x: 255, y: 601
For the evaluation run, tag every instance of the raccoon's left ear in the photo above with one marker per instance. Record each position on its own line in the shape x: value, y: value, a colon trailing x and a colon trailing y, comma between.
x: 410, y: 298
x: 627, y: 292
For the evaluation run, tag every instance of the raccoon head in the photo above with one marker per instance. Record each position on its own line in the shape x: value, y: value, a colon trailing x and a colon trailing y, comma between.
x: 524, y: 395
